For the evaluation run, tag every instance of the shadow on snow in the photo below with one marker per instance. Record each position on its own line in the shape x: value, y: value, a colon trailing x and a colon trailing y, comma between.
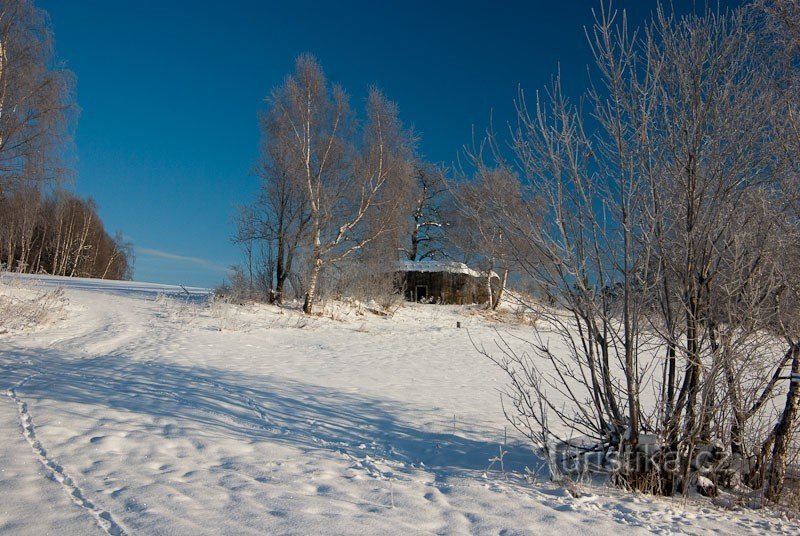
x: 303, y: 415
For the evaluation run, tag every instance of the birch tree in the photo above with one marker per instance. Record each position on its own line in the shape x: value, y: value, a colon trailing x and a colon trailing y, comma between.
x: 280, y: 216
x: 340, y: 169
x: 35, y: 96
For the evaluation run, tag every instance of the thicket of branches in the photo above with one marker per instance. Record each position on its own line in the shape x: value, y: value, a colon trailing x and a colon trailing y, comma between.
x: 42, y: 227
x: 663, y: 236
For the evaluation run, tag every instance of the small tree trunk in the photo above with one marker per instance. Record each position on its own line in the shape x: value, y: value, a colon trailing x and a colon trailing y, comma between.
x: 692, y: 380
x: 280, y: 274
x: 489, y: 289
x: 312, y: 287
x: 412, y: 255
x: 110, y: 262
x: 670, y: 383
x: 783, y: 431
x: 502, y: 289
x: 277, y: 296
x: 315, y: 269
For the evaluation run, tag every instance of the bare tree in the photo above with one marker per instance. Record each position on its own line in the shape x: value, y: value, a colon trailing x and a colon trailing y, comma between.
x: 781, y: 50
x: 279, y: 218
x: 35, y: 96
x: 427, y: 239
x: 43, y: 227
x: 485, y: 202
x: 659, y: 245
x: 340, y: 176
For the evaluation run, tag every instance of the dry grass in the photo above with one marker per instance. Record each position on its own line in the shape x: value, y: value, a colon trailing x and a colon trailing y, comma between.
x: 517, y: 316
x: 25, y: 307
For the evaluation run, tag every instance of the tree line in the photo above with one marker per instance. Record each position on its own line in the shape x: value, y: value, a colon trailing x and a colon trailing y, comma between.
x: 342, y: 197
x: 44, y: 228
x: 59, y: 234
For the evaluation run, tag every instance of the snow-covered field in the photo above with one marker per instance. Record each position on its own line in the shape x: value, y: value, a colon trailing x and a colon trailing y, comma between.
x: 143, y: 409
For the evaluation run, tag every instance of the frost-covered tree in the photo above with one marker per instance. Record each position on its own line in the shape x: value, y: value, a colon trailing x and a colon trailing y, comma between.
x: 666, y: 245
x: 35, y: 96
x: 325, y: 174
x: 428, y: 221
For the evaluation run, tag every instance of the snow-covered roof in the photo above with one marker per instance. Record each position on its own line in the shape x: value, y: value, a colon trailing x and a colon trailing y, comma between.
x: 436, y: 266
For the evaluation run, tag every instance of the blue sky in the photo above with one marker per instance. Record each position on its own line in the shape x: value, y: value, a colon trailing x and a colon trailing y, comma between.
x: 169, y: 92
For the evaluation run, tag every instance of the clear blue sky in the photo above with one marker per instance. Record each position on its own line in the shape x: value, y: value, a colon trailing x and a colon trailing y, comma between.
x: 169, y: 92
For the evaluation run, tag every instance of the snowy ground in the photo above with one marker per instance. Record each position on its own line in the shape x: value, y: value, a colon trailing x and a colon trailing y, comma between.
x: 139, y: 409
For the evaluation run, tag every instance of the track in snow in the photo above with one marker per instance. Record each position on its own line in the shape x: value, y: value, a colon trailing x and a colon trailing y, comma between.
x: 103, y: 518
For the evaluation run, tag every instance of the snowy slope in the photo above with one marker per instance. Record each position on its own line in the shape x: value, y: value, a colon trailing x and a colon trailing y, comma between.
x: 141, y: 414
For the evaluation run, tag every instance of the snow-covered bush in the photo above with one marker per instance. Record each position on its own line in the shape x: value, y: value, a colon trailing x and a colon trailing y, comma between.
x: 26, y: 307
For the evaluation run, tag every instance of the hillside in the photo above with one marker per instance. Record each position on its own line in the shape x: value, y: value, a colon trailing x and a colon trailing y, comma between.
x: 143, y: 409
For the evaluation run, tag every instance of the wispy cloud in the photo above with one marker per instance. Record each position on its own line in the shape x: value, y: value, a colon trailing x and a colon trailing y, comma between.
x: 197, y: 261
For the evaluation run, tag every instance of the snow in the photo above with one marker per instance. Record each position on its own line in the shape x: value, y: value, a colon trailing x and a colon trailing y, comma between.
x: 142, y: 409
x: 121, y: 288
x: 451, y: 267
